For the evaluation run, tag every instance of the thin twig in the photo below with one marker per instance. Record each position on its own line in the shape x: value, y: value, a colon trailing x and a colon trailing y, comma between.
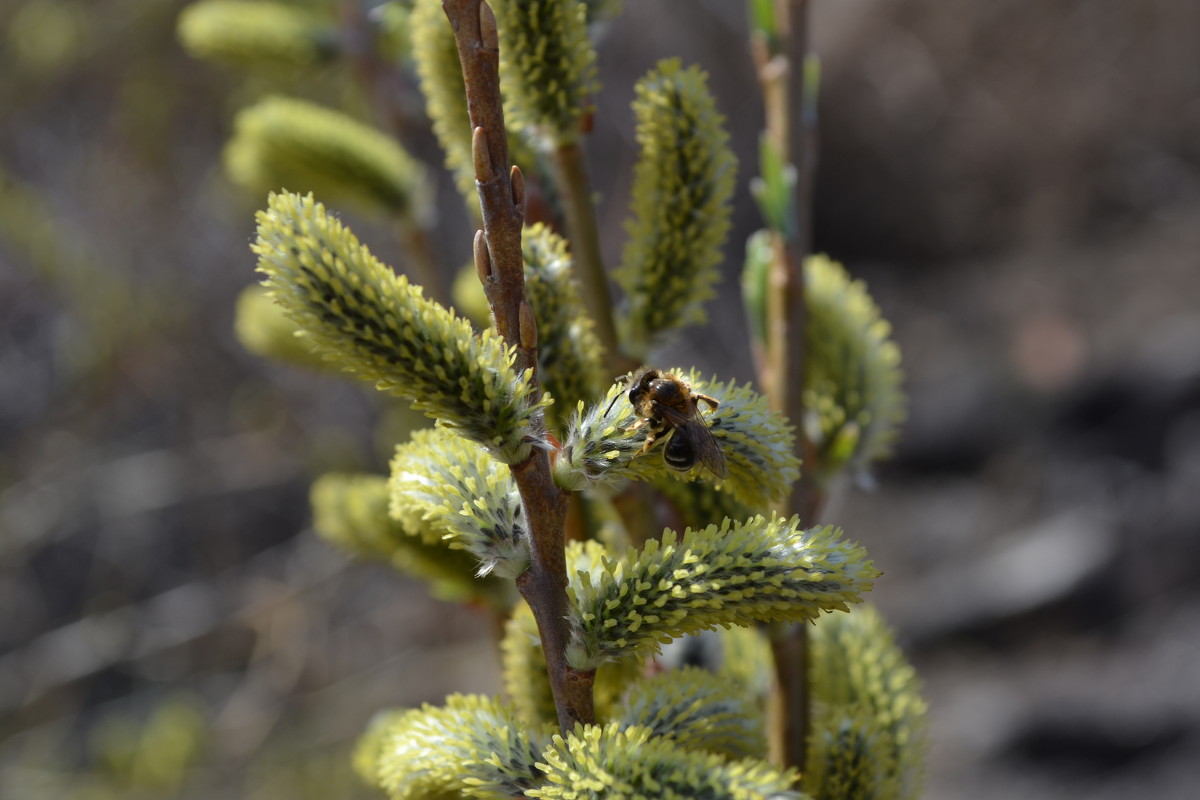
x: 501, y: 268
x: 575, y: 190
x: 389, y: 93
x: 780, y: 69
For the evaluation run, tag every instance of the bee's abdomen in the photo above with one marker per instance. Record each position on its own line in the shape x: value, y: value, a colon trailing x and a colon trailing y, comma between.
x: 678, y: 453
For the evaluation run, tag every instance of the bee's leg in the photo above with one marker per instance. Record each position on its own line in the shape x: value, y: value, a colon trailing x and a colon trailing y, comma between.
x: 651, y: 438
x: 712, y: 401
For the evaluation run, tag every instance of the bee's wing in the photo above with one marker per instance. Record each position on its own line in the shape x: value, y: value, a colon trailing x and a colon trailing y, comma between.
x: 703, y: 443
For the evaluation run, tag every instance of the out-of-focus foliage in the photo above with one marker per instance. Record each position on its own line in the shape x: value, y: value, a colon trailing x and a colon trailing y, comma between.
x: 250, y: 33
x: 282, y: 143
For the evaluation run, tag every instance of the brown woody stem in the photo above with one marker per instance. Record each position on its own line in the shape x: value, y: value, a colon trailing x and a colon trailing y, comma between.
x: 501, y: 267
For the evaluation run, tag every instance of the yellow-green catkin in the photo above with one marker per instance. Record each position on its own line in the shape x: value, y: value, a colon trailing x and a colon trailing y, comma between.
x: 604, y: 762
x: 868, y: 726
x: 379, y: 326
x: 257, y: 33
x: 263, y: 329
x: 604, y: 444
x: 441, y: 81
x: 473, y: 746
x: 682, y: 185
x: 852, y: 394
x: 698, y: 710
x: 369, y: 748
x: 523, y: 667
x: 547, y: 67
x: 569, y: 354
x: 759, y: 570
x: 351, y: 511
x: 448, y: 488
x: 283, y: 143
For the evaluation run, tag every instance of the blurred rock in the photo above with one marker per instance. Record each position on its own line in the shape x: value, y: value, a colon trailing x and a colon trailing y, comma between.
x: 1017, y: 577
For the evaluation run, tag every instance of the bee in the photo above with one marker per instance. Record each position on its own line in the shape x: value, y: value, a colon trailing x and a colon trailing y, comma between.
x: 668, y: 407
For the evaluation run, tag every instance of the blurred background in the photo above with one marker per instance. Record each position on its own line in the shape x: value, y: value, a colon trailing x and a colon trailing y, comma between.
x: 1017, y: 181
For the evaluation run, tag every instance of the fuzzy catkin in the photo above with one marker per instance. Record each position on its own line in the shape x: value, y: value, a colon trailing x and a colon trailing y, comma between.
x: 448, y: 488
x: 760, y: 570
x: 283, y: 142
x: 569, y: 353
x: 473, y: 746
x: 852, y: 377
x: 598, y: 762
x: 868, y: 727
x: 351, y: 511
x: 698, y: 710
x: 256, y: 33
x: 682, y: 185
x: 547, y: 67
x: 603, y: 448
x: 381, y: 327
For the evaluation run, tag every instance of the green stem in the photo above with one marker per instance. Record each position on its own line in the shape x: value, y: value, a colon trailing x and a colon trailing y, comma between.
x: 779, y: 62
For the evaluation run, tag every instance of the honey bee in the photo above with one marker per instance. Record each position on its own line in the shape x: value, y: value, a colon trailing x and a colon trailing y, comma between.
x: 668, y: 407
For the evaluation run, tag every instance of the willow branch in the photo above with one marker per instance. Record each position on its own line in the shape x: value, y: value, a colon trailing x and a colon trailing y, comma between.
x: 501, y: 268
x: 780, y: 70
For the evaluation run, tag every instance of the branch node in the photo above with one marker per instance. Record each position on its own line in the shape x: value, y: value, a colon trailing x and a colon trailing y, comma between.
x: 483, y: 159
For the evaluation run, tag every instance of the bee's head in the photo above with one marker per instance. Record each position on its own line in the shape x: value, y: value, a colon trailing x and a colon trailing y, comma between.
x: 642, y: 383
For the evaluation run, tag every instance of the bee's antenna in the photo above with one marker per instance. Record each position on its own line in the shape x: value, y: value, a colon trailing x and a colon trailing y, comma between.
x: 624, y: 381
x: 614, y: 402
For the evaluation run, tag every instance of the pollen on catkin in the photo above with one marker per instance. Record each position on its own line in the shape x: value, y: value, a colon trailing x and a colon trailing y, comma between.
x: 473, y: 746
x: 569, y: 353
x: 596, y: 762
x: 351, y: 511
